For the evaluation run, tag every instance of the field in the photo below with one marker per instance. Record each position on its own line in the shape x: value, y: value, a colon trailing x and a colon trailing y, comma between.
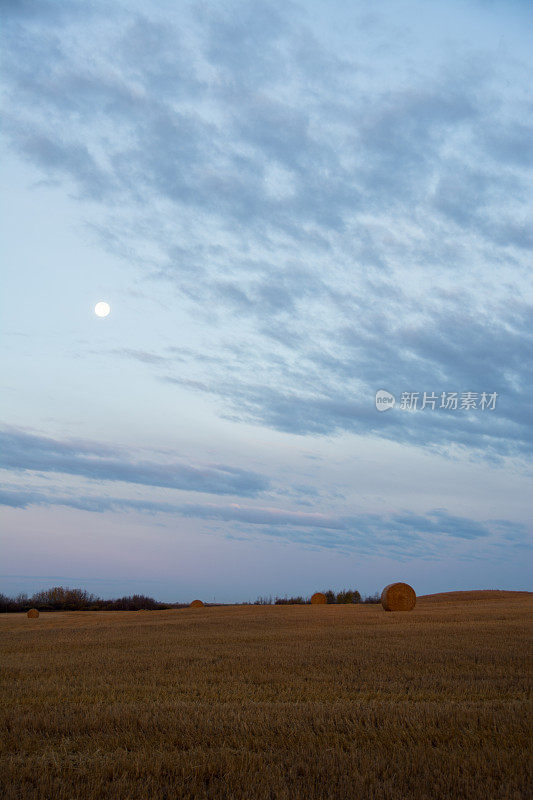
x: 270, y: 702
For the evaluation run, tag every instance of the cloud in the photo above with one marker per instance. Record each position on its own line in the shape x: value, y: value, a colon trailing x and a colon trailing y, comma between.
x: 144, y: 356
x: 28, y: 452
x: 441, y: 522
x: 399, y: 534
x: 344, y: 152
x: 443, y: 348
x: 59, y: 156
x: 339, y: 222
x: 263, y: 516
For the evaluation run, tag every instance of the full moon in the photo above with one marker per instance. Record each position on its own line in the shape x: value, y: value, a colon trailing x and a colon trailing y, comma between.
x: 102, y: 309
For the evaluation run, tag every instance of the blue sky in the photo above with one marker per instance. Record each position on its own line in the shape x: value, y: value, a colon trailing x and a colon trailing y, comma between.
x: 288, y: 208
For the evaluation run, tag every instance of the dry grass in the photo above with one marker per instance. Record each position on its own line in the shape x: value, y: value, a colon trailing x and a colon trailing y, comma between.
x: 475, y: 594
x: 268, y: 703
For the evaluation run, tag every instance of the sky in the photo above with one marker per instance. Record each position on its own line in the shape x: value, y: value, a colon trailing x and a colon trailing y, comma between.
x: 289, y: 208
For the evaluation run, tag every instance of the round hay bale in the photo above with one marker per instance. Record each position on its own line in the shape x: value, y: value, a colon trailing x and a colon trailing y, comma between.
x: 32, y: 613
x: 318, y: 599
x: 197, y: 604
x: 398, y: 597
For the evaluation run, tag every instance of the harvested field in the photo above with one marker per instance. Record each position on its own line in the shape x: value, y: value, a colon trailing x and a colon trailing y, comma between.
x: 475, y: 594
x: 261, y: 702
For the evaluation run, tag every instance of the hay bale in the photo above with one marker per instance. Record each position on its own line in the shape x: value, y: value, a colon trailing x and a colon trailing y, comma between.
x: 398, y: 597
x: 196, y: 604
x: 32, y: 613
x: 318, y: 599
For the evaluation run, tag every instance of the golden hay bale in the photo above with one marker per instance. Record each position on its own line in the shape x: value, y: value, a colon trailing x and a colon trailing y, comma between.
x: 196, y: 604
x: 32, y: 613
x: 318, y: 598
x: 398, y: 597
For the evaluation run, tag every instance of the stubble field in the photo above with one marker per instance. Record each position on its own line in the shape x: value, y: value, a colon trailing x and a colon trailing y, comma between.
x: 269, y: 702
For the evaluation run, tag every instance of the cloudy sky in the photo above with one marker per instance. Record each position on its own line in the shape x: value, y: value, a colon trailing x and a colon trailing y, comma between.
x: 288, y: 207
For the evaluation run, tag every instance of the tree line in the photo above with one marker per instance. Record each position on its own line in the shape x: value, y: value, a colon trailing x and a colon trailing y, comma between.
x: 345, y: 596
x: 61, y: 598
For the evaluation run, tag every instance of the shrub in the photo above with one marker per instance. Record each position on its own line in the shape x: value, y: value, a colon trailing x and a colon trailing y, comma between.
x: 372, y: 598
x: 348, y: 596
x: 61, y: 598
x: 290, y: 601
